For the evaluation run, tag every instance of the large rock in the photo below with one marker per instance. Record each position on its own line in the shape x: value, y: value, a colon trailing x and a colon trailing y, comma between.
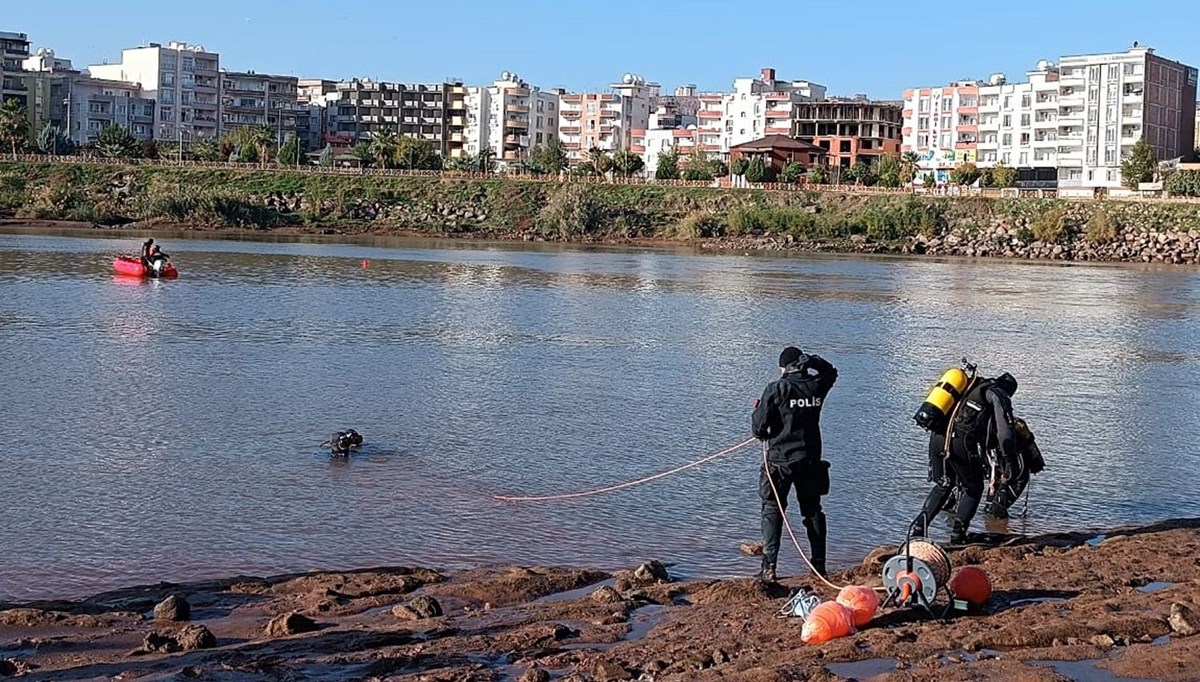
x: 535, y: 674
x: 290, y: 624
x: 190, y: 638
x: 652, y: 572
x: 173, y: 608
x: 606, y: 595
x: 1183, y: 620
x: 418, y: 609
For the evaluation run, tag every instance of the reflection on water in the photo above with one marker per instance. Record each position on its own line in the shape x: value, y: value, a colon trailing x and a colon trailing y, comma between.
x: 171, y: 430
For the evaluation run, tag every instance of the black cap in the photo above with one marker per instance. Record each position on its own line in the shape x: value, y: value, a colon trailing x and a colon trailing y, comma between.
x: 790, y: 356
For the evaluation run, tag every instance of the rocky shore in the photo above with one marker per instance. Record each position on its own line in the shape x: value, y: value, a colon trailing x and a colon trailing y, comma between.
x: 1112, y: 604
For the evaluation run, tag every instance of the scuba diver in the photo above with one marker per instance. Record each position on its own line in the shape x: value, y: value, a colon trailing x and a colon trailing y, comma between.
x: 342, y: 442
x: 788, y: 419
x: 966, y: 444
x: 156, y: 260
x: 147, y: 247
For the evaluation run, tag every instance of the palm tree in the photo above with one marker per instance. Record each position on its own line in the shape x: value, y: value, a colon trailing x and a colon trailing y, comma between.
x: 486, y: 160
x: 383, y: 145
x: 262, y: 138
x: 908, y: 166
x: 14, y: 124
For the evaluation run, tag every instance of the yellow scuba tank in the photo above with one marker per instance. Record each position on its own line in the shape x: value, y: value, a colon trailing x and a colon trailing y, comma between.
x: 944, y: 395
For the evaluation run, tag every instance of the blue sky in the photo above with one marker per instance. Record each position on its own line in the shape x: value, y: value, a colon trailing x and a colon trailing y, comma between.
x: 870, y: 46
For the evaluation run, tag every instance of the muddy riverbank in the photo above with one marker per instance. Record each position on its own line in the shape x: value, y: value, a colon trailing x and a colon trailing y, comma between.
x: 1088, y: 605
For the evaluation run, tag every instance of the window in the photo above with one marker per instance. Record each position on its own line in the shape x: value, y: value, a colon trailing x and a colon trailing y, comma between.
x: 1024, y: 139
x: 1110, y: 156
x: 1113, y: 72
x: 1025, y: 101
x: 167, y: 97
x: 189, y: 64
x: 945, y: 140
x: 591, y: 125
x: 1110, y: 134
x: 1092, y: 115
x: 1024, y: 119
x: 742, y: 131
x: 743, y: 114
x: 923, y: 107
x: 540, y: 106
x: 844, y: 146
x: 539, y: 138
x: 167, y: 80
x: 539, y: 122
x: 1007, y: 102
x: 1091, y: 157
x: 166, y: 114
x: 923, y: 122
x: 1093, y: 94
x: 1110, y: 113
x: 550, y: 106
x: 1005, y: 158
x: 1023, y: 159
x: 591, y: 107
x: 1112, y: 95
x: 922, y: 141
x: 1006, y: 139
x: 945, y: 121
x: 1094, y: 73
x: 990, y: 156
x: 1006, y: 121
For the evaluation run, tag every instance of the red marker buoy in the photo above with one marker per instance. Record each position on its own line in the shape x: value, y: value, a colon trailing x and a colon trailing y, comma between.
x: 366, y: 264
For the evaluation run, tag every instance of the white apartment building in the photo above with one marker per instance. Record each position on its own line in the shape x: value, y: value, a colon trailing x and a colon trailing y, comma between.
x: 510, y: 117
x: 183, y: 79
x: 605, y: 121
x: 1019, y: 126
x: 1109, y: 102
x: 82, y: 105
x: 661, y: 137
x: 757, y: 107
x: 941, y: 125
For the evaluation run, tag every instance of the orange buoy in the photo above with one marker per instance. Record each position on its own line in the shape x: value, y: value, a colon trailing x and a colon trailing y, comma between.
x: 829, y: 620
x: 862, y: 601
x: 972, y: 585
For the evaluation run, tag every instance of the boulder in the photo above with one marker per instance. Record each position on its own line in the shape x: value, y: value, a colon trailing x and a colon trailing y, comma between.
x: 418, y: 609
x: 535, y: 674
x: 1183, y: 620
x: 189, y: 638
x: 292, y: 623
x: 606, y: 595
x: 173, y: 608
x: 652, y: 572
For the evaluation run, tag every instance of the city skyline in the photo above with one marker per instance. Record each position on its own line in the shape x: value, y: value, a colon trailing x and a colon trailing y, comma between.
x: 662, y: 44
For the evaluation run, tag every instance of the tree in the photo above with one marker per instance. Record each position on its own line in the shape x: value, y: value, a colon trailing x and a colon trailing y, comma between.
x: 817, y: 175
x: 290, y: 153
x: 52, y: 140
x: 696, y: 167
x: 115, y: 142
x: 627, y: 163
x: 757, y: 170
x: 549, y: 158
x: 599, y: 160
x: 668, y: 165
x: 1139, y: 166
x: 719, y: 168
x: 888, y: 169
x: 383, y: 146
x: 929, y: 180
x: 861, y: 174
x: 149, y: 149
x: 1003, y: 176
x: 361, y: 151
x: 250, y: 144
x: 485, y: 160
x: 964, y: 174
x: 791, y: 173
x: 14, y: 125
x: 739, y: 166
x: 417, y: 153
x: 325, y: 159
x: 204, y: 150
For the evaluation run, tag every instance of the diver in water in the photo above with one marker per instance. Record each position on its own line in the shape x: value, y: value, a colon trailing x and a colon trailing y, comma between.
x: 788, y: 419
x: 981, y: 440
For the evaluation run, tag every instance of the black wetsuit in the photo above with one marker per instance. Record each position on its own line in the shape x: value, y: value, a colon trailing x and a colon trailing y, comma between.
x: 983, y: 422
x: 788, y: 418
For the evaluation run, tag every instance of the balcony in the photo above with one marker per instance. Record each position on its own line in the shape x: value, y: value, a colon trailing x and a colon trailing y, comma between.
x: 569, y: 113
x: 516, y: 123
x: 457, y: 121
x: 519, y: 108
x: 1045, y: 141
x: 1045, y: 122
x: 569, y: 130
x: 512, y: 139
x: 1046, y: 104
x: 708, y: 113
x: 778, y: 131
x: 638, y: 148
x: 457, y: 137
x: 517, y: 92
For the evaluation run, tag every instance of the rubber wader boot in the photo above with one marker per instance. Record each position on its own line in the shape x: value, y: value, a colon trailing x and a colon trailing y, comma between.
x: 816, y: 540
x: 768, y: 572
x: 958, y: 536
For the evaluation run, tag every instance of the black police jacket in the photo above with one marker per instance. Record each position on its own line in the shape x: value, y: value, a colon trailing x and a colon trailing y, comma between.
x: 788, y: 416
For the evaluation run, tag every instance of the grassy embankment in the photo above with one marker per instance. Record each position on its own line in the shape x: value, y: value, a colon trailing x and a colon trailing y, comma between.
x: 274, y: 199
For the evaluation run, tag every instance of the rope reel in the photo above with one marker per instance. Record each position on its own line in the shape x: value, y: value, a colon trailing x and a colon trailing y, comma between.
x: 915, y: 575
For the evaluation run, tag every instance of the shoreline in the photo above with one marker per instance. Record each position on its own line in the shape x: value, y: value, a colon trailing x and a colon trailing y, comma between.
x: 707, y: 246
x: 1051, y: 609
x: 801, y: 220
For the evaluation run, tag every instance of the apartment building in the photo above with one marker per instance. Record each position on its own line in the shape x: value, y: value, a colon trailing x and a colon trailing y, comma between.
x: 80, y: 104
x: 14, y: 50
x: 942, y: 126
x: 1110, y: 101
x: 757, y: 107
x: 184, y: 81
x: 849, y: 130
x: 662, y: 136
x: 605, y: 121
x: 258, y: 99
x: 314, y: 97
x: 510, y: 117
x: 1019, y: 126
x: 432, y: 111
x: 679, y: 108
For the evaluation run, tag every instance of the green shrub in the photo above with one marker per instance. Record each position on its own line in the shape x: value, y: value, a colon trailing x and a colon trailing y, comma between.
x: 1101, y: 228
x: 1049, y: 227
x: 698, y: 225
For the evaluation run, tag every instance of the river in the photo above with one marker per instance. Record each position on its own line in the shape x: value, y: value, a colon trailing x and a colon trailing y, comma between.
x: 170, y: 430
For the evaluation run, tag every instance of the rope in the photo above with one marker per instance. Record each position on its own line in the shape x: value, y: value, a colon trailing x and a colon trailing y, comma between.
x: 627, y: 484
x: 787, y: 524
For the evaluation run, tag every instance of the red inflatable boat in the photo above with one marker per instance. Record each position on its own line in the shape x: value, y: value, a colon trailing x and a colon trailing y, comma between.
x: 133, y: 267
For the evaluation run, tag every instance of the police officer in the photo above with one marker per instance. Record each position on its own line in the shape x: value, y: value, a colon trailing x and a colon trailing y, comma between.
x: 982, y: 424
x: 788, y: 419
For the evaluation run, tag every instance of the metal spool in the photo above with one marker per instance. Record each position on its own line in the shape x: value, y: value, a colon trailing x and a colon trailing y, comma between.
x: 930, y: 564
